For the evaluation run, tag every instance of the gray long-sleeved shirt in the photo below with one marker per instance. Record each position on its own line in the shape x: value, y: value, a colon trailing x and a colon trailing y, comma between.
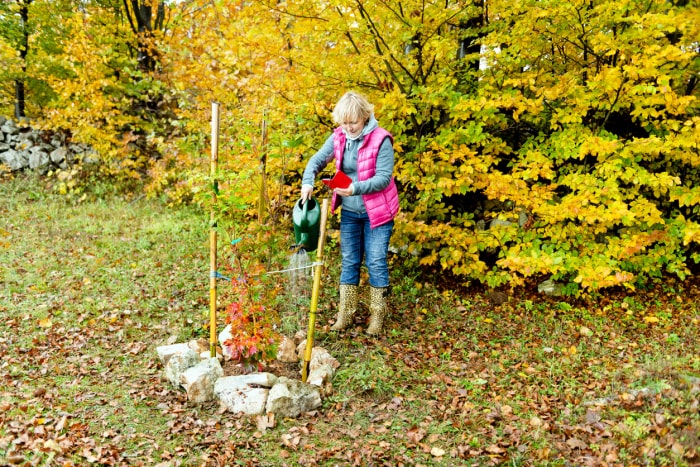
x: 380, y: 180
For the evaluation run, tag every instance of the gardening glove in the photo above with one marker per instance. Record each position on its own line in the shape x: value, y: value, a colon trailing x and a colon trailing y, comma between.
x: 306, y: 191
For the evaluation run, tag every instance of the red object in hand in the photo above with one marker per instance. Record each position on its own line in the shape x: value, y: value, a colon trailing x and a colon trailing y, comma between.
x: 339, y: 180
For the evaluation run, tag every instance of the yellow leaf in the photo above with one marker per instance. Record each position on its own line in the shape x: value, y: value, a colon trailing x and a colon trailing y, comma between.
x: 52, y: 445
x: 651, y: 319
x: 45, y: 323
x: 535, y: 422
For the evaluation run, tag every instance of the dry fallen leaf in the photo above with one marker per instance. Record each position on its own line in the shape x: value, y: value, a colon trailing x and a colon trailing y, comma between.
x: 437, y: 452
x: 678, y: 449
x: 495, y: 449
x: 506, y: 410
x: 415, y: 434
x: 592, y: 416
x: 52, y: 445
x: 265, y: 421
x: 291, y: 441
x: 575, y: 443
x: 395, y: 403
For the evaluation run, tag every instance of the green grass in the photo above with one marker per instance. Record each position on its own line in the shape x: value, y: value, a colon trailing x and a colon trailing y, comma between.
x: 90, y: 288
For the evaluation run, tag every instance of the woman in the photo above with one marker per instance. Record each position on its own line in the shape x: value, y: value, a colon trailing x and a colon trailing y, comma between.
x: 364, y: 152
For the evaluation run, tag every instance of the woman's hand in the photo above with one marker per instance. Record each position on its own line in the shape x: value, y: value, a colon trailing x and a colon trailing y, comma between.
x: 344, y: 191
x: 306, y: 192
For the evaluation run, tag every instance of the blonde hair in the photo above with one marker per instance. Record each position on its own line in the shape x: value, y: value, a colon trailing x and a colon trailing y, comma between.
x: 352, y: 106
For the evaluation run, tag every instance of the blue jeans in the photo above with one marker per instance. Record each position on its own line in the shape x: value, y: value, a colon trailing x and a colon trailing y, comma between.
x: 358, y: 241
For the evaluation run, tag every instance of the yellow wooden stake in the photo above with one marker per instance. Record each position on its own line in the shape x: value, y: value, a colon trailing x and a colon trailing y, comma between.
x: 212, y: 228
x: 315, y: 291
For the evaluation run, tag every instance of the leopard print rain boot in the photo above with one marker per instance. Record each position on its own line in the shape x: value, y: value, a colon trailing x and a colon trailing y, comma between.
x: 377, y: 308
x: 347, y: 307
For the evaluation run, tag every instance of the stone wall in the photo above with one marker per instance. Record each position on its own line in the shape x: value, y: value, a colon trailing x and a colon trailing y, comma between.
x: 22, y: 147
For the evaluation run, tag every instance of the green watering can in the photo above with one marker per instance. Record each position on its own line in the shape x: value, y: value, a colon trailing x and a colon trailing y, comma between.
x: 307, y: 224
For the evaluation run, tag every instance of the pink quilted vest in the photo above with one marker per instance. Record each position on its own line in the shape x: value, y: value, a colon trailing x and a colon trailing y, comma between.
x: 383, y: 205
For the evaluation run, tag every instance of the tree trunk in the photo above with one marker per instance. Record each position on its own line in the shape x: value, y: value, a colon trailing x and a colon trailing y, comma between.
x: 19, y: 99
x: 144, y: 26
x: 469, y: 46
x: 20, y: 90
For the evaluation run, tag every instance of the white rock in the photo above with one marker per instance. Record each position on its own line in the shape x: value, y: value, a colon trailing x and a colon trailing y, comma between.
x: 10, y: 127
x: 207, y: 354
x: 321, y: 377
x: 14, y: 159
x: 252, y: 379
x: 286, y: 351
x: 178, y: 363
x: 225, y: 335
x: 199, y: 345
x: 301, y: 349
x: 244, y: 394
x: 291, y: 398
x: 58, y: 155
x: 199, y: 380
x: 321, y: 357
x: 166, y: 351
x: 549, y: 287
x: 300, y: 337
x: 38, y: 159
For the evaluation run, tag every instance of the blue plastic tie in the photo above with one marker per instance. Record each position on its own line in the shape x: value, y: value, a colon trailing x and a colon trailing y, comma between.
x: 217, y: 275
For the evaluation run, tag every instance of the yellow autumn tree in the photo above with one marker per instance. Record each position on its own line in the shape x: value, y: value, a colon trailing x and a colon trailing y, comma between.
x: 534, y: 139
x: 602, y: 101
x: 87, y: 78
x: 30, y: 30
x: 287, y: 63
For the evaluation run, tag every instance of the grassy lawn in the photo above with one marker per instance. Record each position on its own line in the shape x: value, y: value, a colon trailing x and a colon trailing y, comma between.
x: 89, y: 289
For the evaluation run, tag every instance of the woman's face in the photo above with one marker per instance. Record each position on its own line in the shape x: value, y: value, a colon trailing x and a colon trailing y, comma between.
x: 353, y: 126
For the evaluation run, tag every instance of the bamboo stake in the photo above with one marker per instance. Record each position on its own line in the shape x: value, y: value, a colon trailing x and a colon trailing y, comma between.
x: 212, y: 228
x: 315, y: 292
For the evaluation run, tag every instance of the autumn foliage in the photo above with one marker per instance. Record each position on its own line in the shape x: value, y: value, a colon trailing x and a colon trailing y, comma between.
x: 252, y: 340
x: 534, y: 139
